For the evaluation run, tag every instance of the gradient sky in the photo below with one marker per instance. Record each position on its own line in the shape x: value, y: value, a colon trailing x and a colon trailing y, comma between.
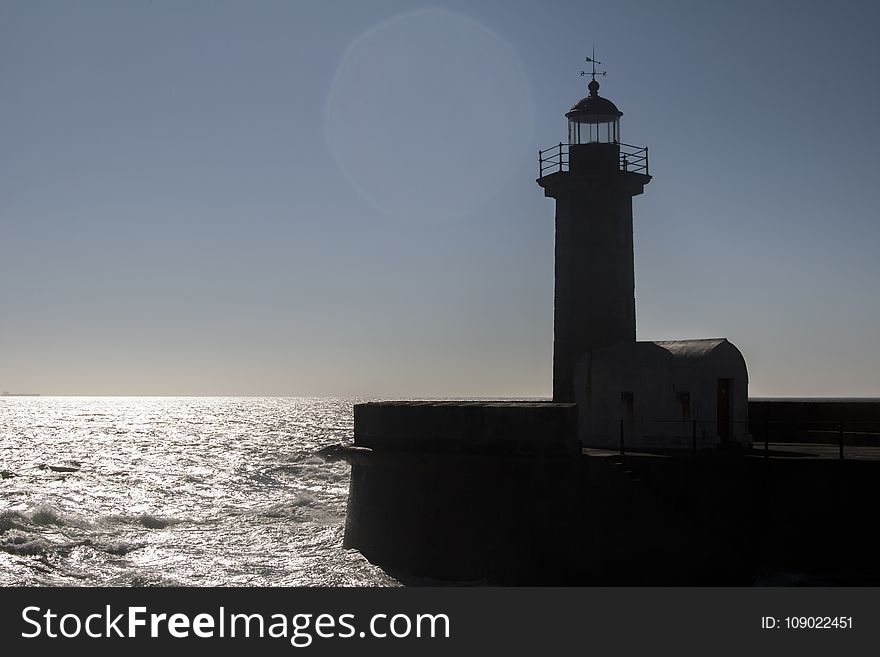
x: 338, y: 198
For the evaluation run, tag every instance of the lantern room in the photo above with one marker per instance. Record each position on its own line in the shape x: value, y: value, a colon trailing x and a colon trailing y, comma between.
x: 593, y: 120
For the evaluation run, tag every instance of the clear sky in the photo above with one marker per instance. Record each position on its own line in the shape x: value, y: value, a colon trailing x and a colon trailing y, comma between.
x: 319, y: 197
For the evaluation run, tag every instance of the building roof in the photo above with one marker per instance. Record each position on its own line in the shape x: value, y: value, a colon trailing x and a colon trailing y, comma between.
x: 691, y: 348
x: 593, y: 108
x: 645, y: 355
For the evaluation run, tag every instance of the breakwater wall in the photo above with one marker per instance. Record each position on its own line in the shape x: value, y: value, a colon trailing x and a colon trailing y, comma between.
x: 465, y: 491
x: 502, y: 493
x: 856, y: 421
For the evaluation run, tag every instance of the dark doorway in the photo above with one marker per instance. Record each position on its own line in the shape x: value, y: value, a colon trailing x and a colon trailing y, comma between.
x: 725, y: 396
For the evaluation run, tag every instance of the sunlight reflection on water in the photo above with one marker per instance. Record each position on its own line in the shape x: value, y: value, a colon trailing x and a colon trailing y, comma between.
x: 137, y: 491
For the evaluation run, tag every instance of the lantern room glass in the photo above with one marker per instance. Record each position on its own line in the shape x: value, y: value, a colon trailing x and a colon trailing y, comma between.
x: 595, y: 132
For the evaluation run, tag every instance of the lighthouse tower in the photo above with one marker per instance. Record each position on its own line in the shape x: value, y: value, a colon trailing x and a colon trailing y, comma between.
x: 593, y: 179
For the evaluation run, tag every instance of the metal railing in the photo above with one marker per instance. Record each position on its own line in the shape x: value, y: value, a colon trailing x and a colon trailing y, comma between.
x: 841, y: 432
x: 836, y: 434
x: 553, y: 159
x: 633, y: 159
x: 696, y: 432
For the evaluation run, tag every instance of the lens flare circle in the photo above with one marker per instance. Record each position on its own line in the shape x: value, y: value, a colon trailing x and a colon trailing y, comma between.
x: 429, y: 114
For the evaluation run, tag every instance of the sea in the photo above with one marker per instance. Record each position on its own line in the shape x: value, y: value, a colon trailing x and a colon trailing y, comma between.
x: 175, y: 491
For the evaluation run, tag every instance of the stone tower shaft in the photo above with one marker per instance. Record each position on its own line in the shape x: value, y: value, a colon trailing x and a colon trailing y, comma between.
x: 594, y: 299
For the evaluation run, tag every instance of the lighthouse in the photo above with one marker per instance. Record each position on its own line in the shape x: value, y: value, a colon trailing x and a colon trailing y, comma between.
x: 504, y: 491
x: 672, y: 393
x: 593, y: 179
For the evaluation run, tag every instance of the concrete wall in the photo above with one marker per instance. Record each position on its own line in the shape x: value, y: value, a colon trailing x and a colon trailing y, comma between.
x: 479, y: 492
x: 467, y: 427
x: 663, y: 392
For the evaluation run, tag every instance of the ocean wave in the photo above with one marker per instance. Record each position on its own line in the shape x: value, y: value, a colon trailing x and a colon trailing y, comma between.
x: 291, y: 469
x: 24, y: 543
x: 299, y: 508
x: 40, y: 516
x: 263, y: 478
x: 304, y: 499
x: 119, y: 548
x: 73, y: 467
x: 11, y: 520
x: 148, y: 520
x: 16, y: 541
x: 156, y: 522
x: 45, y: 515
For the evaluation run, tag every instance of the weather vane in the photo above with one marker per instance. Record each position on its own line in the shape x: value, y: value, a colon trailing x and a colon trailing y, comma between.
x: 592, y: 60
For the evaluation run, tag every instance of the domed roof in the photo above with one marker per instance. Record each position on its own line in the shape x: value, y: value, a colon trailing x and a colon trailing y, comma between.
x: 593, y: 108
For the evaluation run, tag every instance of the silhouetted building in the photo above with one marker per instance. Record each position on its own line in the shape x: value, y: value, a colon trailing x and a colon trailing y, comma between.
x: 644, y: 393
x: 502, y: 492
